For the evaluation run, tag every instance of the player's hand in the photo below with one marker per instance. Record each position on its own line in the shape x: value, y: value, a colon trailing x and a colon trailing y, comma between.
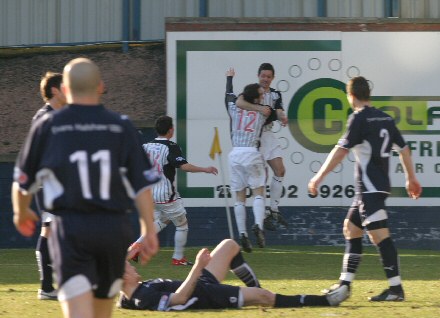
x: 148, y: 247
x: 283, y: 121
x: 313, y: 186
x: 25, y: 222
x: 133, y: 252
x: 230, y: 72
x: 203, y: 258
x: 212, y: 170
x: 265, y: 110
x: 414, y: 189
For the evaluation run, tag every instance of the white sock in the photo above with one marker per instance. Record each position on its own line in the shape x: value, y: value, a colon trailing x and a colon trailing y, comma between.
x: 276, y: 190
x: 259, y: 208
x: 240, y: 217
x: 180, y: 238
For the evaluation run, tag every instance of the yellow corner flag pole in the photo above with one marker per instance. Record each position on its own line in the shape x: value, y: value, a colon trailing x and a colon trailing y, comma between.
x: 216, y: 149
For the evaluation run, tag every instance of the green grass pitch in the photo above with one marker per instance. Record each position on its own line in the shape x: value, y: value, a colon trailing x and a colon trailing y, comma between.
x: 286, y: 270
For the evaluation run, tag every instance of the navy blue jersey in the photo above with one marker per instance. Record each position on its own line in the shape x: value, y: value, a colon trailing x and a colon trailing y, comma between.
x: 208, y: 294
x: 42, y: 111
x: 87, y: 158
x: 165, y: 156
x: 371, y: 134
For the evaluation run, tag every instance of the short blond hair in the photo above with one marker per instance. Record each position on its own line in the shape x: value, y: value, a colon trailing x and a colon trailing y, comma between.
x: 82, y: 77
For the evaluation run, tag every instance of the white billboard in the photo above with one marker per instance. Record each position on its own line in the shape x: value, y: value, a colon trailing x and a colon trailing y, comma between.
x: 311, y: 68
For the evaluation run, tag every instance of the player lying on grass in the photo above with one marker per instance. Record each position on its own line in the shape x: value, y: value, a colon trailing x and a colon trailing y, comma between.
x: 202, y: 289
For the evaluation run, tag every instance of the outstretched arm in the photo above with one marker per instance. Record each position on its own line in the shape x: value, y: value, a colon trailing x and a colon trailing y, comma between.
x: 185, y: 291
x: 333, y: 159
x: 229, y: 94
x: 187, y: 167
x: 413, y: 187
x: 230, y: 73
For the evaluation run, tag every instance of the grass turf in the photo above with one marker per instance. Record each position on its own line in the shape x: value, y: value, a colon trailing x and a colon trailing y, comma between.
x: 285, y: 270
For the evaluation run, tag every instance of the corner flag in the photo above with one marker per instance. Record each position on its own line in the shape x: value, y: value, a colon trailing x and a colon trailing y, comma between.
x: 215, y: 148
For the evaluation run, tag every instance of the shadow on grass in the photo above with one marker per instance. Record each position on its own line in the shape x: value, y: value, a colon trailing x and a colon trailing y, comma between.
x: 18, y: 266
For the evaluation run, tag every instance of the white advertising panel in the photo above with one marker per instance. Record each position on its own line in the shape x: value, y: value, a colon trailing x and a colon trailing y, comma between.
x: 311, y: 71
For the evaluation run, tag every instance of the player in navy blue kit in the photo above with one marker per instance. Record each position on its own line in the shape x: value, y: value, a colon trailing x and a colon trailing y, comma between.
x: 371, y: 134
x: 50, y: 89
x: 166, y: 156
x: 202, y: 289
x: 90, y: 163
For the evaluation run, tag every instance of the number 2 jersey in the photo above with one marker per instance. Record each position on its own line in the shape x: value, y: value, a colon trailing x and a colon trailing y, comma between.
x: 371, y: 134
x: 88, y: 160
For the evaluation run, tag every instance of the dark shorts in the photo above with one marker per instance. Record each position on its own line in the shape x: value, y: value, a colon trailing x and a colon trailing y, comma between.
x: 89, y: 247
x: 213, y: 295
x: 368, y: 211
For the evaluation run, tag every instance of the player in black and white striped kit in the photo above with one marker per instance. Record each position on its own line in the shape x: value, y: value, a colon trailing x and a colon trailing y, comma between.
x: 270, y: 146
x: 50, y: 89
x: 246, y: 163
x: 90, y: 163
x: 370, y: 134
x: 166, y: 156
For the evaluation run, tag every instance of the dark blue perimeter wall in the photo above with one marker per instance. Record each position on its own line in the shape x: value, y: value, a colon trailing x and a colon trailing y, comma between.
x: 411, y: 227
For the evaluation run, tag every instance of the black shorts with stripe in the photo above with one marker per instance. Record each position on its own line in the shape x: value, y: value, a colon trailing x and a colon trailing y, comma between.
x: 92, y: 245
x: 363, y: 208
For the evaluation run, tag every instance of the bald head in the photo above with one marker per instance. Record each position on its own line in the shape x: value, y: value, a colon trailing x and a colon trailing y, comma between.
x: 82, y: 79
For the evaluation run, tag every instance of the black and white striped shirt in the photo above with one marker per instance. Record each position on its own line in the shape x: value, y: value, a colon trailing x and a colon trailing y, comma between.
x: 245, y: 126
x: 165, y: 156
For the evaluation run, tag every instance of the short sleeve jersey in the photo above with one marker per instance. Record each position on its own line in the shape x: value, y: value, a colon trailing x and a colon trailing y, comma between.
x: 371, y: 134
x: 166, y: 156
x: 87, y: 158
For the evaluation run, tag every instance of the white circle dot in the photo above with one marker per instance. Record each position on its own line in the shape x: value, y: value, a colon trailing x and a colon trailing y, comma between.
x: 283, y: 86
x: 315, y: 166
x: 297, y: 157
x: 314, y: 64
x: 295, y: 71
x: 353, y: 71
x: 335, y: 65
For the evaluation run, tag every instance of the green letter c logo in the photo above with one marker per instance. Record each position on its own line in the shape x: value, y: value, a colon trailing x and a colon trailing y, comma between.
x: 318, y: 112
